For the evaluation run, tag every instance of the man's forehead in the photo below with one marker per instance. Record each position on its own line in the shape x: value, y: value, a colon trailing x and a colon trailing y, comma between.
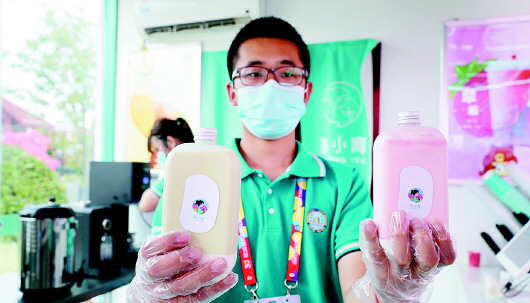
x: 267, y: 51
x: 264, y: 62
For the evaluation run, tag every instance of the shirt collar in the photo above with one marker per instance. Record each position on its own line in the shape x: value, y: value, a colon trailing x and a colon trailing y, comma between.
x: 305, y: 164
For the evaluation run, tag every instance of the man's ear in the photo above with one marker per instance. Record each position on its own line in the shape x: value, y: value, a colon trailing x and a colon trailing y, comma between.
x: 308, y: 92
x: 232, y: 95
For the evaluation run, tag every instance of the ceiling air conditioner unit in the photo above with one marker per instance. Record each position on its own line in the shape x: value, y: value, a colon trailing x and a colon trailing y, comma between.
x: 154, y: 17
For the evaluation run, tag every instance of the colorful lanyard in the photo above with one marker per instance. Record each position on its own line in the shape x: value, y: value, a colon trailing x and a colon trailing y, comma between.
x: 295, y: 247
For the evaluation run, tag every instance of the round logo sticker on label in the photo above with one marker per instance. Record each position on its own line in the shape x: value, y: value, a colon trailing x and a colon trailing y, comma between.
x: 415, y: 191
x: 415, y: 195
x: 200, y: 206
x: 316, y: 220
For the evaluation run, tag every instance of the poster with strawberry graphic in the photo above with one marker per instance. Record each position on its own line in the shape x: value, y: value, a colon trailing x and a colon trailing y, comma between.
x: 487, y: 79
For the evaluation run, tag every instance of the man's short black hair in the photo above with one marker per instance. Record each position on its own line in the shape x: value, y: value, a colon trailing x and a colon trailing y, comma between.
x: 267, y: 27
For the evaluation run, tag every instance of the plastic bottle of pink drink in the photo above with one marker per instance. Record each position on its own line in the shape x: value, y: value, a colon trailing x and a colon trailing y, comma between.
x: 410, y: 173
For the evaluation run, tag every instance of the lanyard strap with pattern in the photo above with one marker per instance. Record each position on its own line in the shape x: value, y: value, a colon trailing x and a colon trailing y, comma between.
x: 295, y: 246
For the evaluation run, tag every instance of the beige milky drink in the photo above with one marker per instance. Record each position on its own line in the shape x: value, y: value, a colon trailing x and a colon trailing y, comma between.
x: 202, y: 192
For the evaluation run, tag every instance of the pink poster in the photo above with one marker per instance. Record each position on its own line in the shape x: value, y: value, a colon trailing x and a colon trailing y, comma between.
x: 487, y: 77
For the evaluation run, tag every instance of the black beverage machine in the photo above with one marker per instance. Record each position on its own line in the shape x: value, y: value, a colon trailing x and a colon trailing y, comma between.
x: 104, y: 241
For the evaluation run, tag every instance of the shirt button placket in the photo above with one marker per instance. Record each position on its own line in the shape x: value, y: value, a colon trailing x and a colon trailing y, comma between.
x: 269, y: 191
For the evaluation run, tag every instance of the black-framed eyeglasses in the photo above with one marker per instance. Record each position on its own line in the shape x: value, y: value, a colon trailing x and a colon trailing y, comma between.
x: 257, y: 75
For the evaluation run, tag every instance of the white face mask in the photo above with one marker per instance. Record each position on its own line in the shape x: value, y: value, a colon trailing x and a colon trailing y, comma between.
x: 271, y: 111
x: 161, y: 158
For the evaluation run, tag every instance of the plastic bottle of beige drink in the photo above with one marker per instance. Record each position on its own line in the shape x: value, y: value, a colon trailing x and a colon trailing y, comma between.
x: 202, y: 193
x: 410, y: 173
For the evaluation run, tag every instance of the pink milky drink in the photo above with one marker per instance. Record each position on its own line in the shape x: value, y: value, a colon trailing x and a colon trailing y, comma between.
x: 410, y: 173
x: 508, y: 86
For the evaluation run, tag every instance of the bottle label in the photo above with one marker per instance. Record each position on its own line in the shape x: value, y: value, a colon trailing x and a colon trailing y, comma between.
x: 415, y: 192
x: 200, y: 205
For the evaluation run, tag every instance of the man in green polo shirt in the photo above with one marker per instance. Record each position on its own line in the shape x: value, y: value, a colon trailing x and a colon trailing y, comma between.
x: 269, y: 66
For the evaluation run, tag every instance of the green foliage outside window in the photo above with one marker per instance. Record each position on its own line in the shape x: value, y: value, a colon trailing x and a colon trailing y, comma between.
x: 26, y: 180
x: 62, y: 60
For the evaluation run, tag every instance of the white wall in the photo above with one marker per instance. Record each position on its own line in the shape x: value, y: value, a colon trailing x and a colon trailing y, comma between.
x: 411, y: 33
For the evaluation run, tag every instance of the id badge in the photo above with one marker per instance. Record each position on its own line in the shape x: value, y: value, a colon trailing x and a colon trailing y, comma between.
x: 283, y: 299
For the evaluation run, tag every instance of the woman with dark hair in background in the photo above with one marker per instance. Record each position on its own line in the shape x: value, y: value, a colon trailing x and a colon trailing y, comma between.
x: 165, y: 135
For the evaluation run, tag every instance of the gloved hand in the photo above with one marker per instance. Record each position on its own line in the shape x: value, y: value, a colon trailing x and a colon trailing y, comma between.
x: 419, y: 250
x: 168, y: 270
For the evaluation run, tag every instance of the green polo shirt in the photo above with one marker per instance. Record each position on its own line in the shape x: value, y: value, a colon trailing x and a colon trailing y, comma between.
x: 158, y: 187
x: 337, y: 199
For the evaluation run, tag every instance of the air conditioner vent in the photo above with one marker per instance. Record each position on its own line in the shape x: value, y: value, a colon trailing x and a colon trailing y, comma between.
x: 162, y: 19
x: 192, y: 26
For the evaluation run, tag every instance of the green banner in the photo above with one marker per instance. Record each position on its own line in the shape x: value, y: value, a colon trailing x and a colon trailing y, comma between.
x: 337, y: 125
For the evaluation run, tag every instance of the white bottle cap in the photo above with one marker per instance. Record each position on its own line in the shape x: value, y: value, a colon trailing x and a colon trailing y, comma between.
x: 206, y: 135
x: 409, y: 118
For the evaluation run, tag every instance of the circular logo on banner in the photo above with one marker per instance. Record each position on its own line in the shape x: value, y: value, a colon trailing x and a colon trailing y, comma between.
x: 342, y: 103
x: 200, y: 206
x: 316, y: 220
x: 415, y: 195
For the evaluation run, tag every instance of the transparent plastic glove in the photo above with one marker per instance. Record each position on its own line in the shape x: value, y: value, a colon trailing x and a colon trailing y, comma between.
x: 168, y: 270
x: 419, y: 250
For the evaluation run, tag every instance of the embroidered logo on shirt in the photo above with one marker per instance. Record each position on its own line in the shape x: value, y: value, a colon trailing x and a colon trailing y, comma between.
x: 316, y: 220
